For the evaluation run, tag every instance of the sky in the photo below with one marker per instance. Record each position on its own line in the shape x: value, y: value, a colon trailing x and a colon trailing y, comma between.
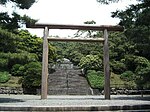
x: 71, y: 12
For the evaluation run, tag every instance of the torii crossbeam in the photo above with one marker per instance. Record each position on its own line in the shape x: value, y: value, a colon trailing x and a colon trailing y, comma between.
x: 104, y: 40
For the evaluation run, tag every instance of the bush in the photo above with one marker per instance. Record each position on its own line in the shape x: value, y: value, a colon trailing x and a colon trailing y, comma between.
x: 143, y: 77
x: 32, y: 75
x: 17, y: 70
x: 21, y: 58
x: 91, y: 62
x: 3, y: 63
x: 118, y: 67
x: 4, y: 77
x: 10, y: 59
x: 95, y: 79
x: 127, y: 76
x: 133, y: 62
x: 130, y: 62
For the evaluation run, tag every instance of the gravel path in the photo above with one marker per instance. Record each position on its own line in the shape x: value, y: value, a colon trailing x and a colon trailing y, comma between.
x: 68, y: 101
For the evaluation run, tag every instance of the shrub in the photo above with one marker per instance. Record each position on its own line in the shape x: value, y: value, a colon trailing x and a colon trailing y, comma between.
x: 91, y: 62
x: 21, y: 58
x: 133, y: 62
x: 4, y: 77
x: 3, y: 63
x: 118, y: 67
x: 32, y: 75
x: 143, y: 77
x: 127, y: 76
x: 17, y: 70
x: 95, y: 79
x: 130, y: 62
x: 7, y: 60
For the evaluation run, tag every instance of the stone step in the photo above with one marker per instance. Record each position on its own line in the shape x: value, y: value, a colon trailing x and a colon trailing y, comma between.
x: 69, y: 91
x: 68, y: 82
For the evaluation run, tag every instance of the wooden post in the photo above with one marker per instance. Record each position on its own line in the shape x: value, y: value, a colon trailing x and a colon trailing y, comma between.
x: 45, y: 65
x: 106, y: 66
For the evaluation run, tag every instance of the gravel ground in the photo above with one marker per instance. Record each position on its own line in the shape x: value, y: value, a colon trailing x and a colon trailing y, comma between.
x: 68, y: 101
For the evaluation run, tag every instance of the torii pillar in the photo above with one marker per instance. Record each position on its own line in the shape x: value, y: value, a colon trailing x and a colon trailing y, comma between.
x: 45, y: 65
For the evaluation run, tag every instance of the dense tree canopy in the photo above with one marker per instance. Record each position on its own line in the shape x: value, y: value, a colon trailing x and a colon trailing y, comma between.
x: 13, y: 21
x: 23, y: 4
x: 18, y: 48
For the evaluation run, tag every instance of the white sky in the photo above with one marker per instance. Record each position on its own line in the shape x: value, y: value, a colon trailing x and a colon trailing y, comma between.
x: 72, y: 12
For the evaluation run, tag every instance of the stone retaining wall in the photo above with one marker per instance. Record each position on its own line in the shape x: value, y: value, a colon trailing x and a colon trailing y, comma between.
x: 19, y: 90
x: 11, y: 90
x: 125, y: 91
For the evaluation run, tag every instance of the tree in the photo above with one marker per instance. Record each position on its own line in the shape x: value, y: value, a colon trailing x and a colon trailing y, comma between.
x: 8, y: 41
x: 13, y: 21
x: 23, y: 4
x: 107, y: 1
x: 87, y: 34
x: 136, y: 21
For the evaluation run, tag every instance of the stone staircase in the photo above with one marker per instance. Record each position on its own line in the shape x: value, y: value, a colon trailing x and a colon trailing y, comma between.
x: 68, y: 82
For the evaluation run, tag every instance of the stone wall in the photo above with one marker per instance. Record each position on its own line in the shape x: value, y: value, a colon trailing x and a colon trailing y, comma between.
x: 123, y: 91
x: 11, y: 90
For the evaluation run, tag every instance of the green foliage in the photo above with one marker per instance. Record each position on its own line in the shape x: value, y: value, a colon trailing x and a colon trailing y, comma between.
x: 17, y: 70
x: 107, y: 1
x: 87, y: 34
x: 135, y: 62
x: 117, y: 82
x: 127, y: 76
x: 14, y: 21
x: 140, y: 66
x: 33, y: 44
x: 28, y: 21
x: 10, y: 23
x: 13, y: 82
x: 91, y: 62
x: 119, y: 46
x: 136, y: 20
x: 141, y: 61
x: 4, y: 77
x: 118, y: 67
x: 143, y: 76
x: 3, y: 63
x: 75, y: 57
x: 130, y: 62
x: 17, y: 58
x: 32, y: 75
x: 23, y: 4
x: 95, y: 79
x: 8, y: 41
x: 30, y: 43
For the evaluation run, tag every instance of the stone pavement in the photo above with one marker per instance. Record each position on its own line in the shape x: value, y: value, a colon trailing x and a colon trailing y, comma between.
x: 73, y: 103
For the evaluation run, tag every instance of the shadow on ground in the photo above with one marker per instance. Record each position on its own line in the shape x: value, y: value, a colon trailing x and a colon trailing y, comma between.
x: 144, y: 98
x: 75, y: 98
x: 10, y: 100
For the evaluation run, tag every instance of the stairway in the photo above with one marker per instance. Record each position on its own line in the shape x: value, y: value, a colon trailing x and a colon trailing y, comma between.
x: 67, y: 82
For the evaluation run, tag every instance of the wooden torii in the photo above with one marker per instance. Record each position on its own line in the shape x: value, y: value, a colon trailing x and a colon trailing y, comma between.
x: 104, y: 40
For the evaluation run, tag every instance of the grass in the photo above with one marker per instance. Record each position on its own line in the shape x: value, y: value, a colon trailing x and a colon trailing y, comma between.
x: 117, y: 82
x: 97, y: 81
x: 13, y: 82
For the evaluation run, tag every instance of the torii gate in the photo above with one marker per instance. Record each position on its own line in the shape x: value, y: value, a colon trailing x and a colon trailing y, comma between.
x: 104, y: 40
